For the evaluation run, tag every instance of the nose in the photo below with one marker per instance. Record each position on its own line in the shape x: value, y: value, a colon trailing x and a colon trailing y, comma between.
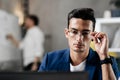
x: 79, y: 37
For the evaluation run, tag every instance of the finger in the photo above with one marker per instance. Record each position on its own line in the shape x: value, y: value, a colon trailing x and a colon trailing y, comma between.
x: 93, y: 33
x: 97, y: 34
x: 101, y: 35
x: 95, y: 40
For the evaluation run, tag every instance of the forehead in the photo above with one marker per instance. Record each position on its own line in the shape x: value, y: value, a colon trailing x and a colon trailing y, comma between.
x: 27, y: 18
x: 81, y: 24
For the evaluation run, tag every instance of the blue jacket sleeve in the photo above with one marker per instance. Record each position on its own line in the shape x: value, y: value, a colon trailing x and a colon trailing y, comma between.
x: 115, y: 67
x: 43, y: 66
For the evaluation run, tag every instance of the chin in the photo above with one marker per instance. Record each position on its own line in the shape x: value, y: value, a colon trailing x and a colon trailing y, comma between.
x: 79, y: 50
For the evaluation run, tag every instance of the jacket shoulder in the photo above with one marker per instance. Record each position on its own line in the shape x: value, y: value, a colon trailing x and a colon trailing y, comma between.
x: 53, y: 59
x: 57, y: 53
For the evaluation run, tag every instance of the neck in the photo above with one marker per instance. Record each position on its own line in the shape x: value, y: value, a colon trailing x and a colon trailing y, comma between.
x: 78, y: 57
x: 30, y: 27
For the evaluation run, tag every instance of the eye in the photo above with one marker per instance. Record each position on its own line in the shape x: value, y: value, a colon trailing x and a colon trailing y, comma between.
x: 85, y: 33
x: 74, y: 32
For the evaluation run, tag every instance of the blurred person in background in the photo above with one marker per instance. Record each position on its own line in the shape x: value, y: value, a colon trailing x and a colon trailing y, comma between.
x: 32, y: 44
x: 79, y: 56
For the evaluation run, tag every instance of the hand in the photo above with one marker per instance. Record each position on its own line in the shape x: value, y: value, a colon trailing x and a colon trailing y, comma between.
x: 34, y: 67
x: 101, y: 44
x: 36, y: 59
x: 9, y: 36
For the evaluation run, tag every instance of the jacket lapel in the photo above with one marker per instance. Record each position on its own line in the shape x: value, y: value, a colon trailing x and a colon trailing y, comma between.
x: 91, y: 64
x: 64, y: 65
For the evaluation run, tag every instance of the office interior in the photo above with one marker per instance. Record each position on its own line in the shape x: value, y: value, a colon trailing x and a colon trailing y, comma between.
x: 53, y: 21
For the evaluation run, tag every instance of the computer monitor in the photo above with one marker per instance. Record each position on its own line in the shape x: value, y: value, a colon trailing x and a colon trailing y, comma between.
x: 43, y: 76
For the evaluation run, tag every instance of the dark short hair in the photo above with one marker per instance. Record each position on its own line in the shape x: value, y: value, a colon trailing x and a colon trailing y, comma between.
x: 83, y: 13
x: 34, y: 18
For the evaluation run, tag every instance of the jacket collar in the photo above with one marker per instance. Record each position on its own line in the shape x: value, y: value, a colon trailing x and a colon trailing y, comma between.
x: 90, y: 62
x: 64, y: 65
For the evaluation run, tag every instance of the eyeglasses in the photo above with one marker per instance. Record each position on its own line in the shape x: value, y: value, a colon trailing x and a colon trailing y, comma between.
x: 75, y: 32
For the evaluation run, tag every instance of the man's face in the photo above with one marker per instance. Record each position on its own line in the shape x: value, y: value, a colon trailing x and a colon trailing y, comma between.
x: 28, y: 22
x: 78, y: 34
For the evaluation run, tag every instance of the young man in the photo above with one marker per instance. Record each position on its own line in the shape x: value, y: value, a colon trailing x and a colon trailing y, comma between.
x: 79, y: 56
x: 32, y: 44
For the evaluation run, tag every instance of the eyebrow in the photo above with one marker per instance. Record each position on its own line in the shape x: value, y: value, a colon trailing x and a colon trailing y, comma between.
x: 86, y: 30
x: 74, y: 29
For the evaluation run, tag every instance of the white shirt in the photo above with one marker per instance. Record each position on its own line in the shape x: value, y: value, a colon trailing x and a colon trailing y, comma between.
x: 80, y: 67
x: 119, y: 78
x: 32, y: 45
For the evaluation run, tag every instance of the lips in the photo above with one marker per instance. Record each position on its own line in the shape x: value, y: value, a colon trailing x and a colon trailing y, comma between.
x: 79, y: 45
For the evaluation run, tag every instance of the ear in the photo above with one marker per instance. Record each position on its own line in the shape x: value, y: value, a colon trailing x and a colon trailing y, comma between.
x: 66, y: 32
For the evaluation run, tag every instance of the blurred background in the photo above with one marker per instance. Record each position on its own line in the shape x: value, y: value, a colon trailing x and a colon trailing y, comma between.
x: 53, y: 20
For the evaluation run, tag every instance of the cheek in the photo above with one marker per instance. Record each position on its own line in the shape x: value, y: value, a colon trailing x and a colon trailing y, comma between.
x: 71, y: 41
x: 87, y: 39
x: 26, y: 23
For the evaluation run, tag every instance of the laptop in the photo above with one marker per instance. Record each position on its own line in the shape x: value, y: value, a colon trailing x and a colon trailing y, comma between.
x: 43, y: 76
